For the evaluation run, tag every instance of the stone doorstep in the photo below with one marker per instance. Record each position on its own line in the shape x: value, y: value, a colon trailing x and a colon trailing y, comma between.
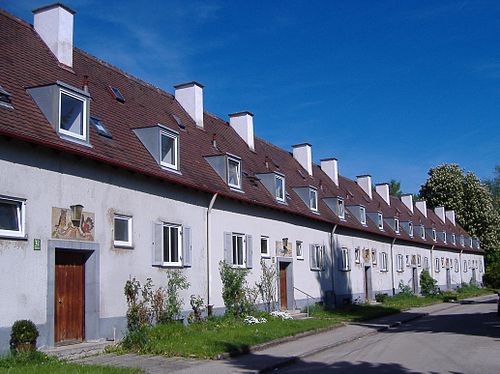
x: 78, y: 350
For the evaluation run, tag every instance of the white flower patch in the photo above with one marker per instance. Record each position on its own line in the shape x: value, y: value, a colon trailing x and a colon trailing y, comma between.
x: 282, y: 315
x: 251, y: 320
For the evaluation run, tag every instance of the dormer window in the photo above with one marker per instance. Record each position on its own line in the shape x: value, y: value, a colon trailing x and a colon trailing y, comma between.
x: 470, y: 242
x: 280, y: 188
x: 313, y: 199
x: 444, y: 236
x: 341, y: 208
x: 72, y: 115
x: 169, y: 148
x: 453, y: 239
x: 410, y: 228
x: 434, y: 236
x: 396, y: 225
x: 5, y: 99
x: 422, y: 232
x: 380, y: 221
x: 462, y: 241
x: 362, y: 215
x: 234, y: 172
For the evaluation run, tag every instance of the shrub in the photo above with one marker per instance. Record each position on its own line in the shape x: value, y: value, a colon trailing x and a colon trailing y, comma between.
x: 138, y: 312
x: 448, y: 296
x: 428, y: 284
x: 23, y: 336
x: 176, y: 281
x: 404, y: 289
x: 136, y: 339
x: 198, y: 307
x: 381, y: 297
x: 267, y: 285
x: 233, y: 288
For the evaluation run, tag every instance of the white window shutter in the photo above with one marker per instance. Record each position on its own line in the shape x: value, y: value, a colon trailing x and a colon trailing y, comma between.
x: 187, y: 247
x: 228, y: 252
x: 249, y: 251
x: 311, y: 257
x: 323, y: 265
x: 381, y: 259
x: 157, y: 244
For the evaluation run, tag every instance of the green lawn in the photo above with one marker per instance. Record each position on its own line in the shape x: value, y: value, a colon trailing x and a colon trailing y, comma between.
x: 218, y: 335
x: 38, y: 362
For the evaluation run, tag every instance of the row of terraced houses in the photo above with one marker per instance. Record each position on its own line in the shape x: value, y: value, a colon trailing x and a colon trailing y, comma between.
x: 105, y: 177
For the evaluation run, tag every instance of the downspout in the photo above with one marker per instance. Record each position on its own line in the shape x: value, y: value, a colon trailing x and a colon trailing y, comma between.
x: 333, y: 263
x: 209, y: 260
x: 392, y: 268
x: 432, y: 261
x: 460, y: 266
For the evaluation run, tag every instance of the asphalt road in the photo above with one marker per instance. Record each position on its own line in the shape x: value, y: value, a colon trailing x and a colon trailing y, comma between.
x: 463, y: 339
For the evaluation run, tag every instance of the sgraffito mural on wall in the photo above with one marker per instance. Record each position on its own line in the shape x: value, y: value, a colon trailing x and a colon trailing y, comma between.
x: 64, y: 228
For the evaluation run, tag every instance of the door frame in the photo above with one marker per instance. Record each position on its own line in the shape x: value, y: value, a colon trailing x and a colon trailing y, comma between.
x: 367, y: 283
x: 414, y: 280
x: 92, y: 287
x: 289, y: 281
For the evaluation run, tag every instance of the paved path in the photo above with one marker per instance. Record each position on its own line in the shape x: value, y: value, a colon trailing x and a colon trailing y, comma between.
x: 305, y: 354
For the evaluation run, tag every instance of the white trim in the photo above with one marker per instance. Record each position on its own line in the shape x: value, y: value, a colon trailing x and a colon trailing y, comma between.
x: 238, y: 175
x: 84, y: 115
x: 243, y: 251
x: 120, y: 243
x: 177, y: 263
x: 380, y: 222
x: 175, y: 138
x: 266, y: 254
x: 313, y: 192
x: 362, y: 215
x: 383, y: 262
x: 276, y: 178
x: 21, y: 218
x: 301, y: 257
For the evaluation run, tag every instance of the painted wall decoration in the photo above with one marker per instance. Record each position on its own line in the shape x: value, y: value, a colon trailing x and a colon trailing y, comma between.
x: 283, y: 249
x: 63, y: 227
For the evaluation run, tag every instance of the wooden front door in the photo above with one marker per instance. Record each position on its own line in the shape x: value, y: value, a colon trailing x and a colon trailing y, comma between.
x: 367, y: 285
x: 69, y: 297
x: 283, y: 287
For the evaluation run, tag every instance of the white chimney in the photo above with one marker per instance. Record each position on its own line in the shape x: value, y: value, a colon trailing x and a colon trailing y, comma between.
x: 383, y: 190
x: 242, y: 123
x: 365, y: 182
x: 408, y: 201
x: 303, y: 154
x: 190, y: 96
x: 440, y: 213
x: 54, y: 24
x: 450, y: 214
x: 422, y: 207
x: 331, y: 168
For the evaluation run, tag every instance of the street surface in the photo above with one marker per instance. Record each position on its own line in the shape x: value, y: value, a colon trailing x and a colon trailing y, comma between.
x: 463, y: 339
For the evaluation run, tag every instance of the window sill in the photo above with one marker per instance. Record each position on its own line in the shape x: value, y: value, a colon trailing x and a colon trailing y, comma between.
x: 345, y: 270
x: 13, y: 237
x: 74, y: 140
x: 170, y: 169
x: 123, y: 246
x: 265, y: 255
x: 168, y: 265
x: 236, y: 189
x: 301, y: 258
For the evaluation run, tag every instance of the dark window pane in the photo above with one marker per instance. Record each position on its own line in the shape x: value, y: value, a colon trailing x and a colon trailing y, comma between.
x: 166, y: 244
x: 240, y: 250
x: 71, y: 114
x: 167, y: 150
x: 174, y: 244
x: 263, y: 246
x: 9, y: 219
x: 235, y: 250
x: 121, y: 229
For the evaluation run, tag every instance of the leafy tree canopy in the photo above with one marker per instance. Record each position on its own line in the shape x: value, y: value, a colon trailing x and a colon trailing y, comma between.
x: 493, y: 185
x: 395, y: 188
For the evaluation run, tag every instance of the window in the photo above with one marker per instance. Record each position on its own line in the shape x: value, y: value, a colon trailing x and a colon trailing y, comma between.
x: 426, y: 263
x: 437, y: 266
x: 465, y: 266
x: 400, y: 263
x: 233, y: 172
x: 434, y: 234
x: 357, y: 255
x: 341, y: 208
x: 313, y: 199
x: 264, y: 246
x: 169, y: 149
x: 362, y: 215
x: 408, y: 260
x: 374, y: 257
x: 238, y: 248
x: 422, y: 232
x: 298, y: 247
x: 462, y: 241
x: 410, y: 228
x: 453, y: 239
x: 456, y: 266
x: 123, y: 231
x: 280, y: 188
x: 99, y: 126
x: 383, y: 261
x: 344, y: 260
x: 380, y: 221
x: 118, y: 95
x: 72, y: 115
x: 316, y: 257
x: 444, y: 236
x: 12, y: 218
x: 172, y: 245
x: 470, y: 242
x: 396, y: 225
x: 5, y: 99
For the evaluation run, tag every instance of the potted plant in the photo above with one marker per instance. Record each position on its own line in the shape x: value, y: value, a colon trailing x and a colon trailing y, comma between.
x: 23, y: 336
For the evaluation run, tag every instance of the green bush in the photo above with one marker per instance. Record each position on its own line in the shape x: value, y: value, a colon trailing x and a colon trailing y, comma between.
x: 23, y: 336
x: 448, y: 296
x: 404, y: 289
x: 381, y: 297
x: 234, y: 289
x: 135, y: 340
x: 428, y: 284
x: 176, y: 281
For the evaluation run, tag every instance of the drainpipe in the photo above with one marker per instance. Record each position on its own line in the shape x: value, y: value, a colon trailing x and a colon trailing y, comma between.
x: 392, y: 268
x: 432, y: 261
x: 333, y: 263
x: 209, y: 260
x: 460, y: 266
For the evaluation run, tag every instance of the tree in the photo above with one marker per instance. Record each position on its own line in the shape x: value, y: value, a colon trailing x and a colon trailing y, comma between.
x: 493, y: 185
x: 449, y: 186
x: 395, y: 188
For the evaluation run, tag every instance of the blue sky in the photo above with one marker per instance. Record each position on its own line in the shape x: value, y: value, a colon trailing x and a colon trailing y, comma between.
x: 390, y: 88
